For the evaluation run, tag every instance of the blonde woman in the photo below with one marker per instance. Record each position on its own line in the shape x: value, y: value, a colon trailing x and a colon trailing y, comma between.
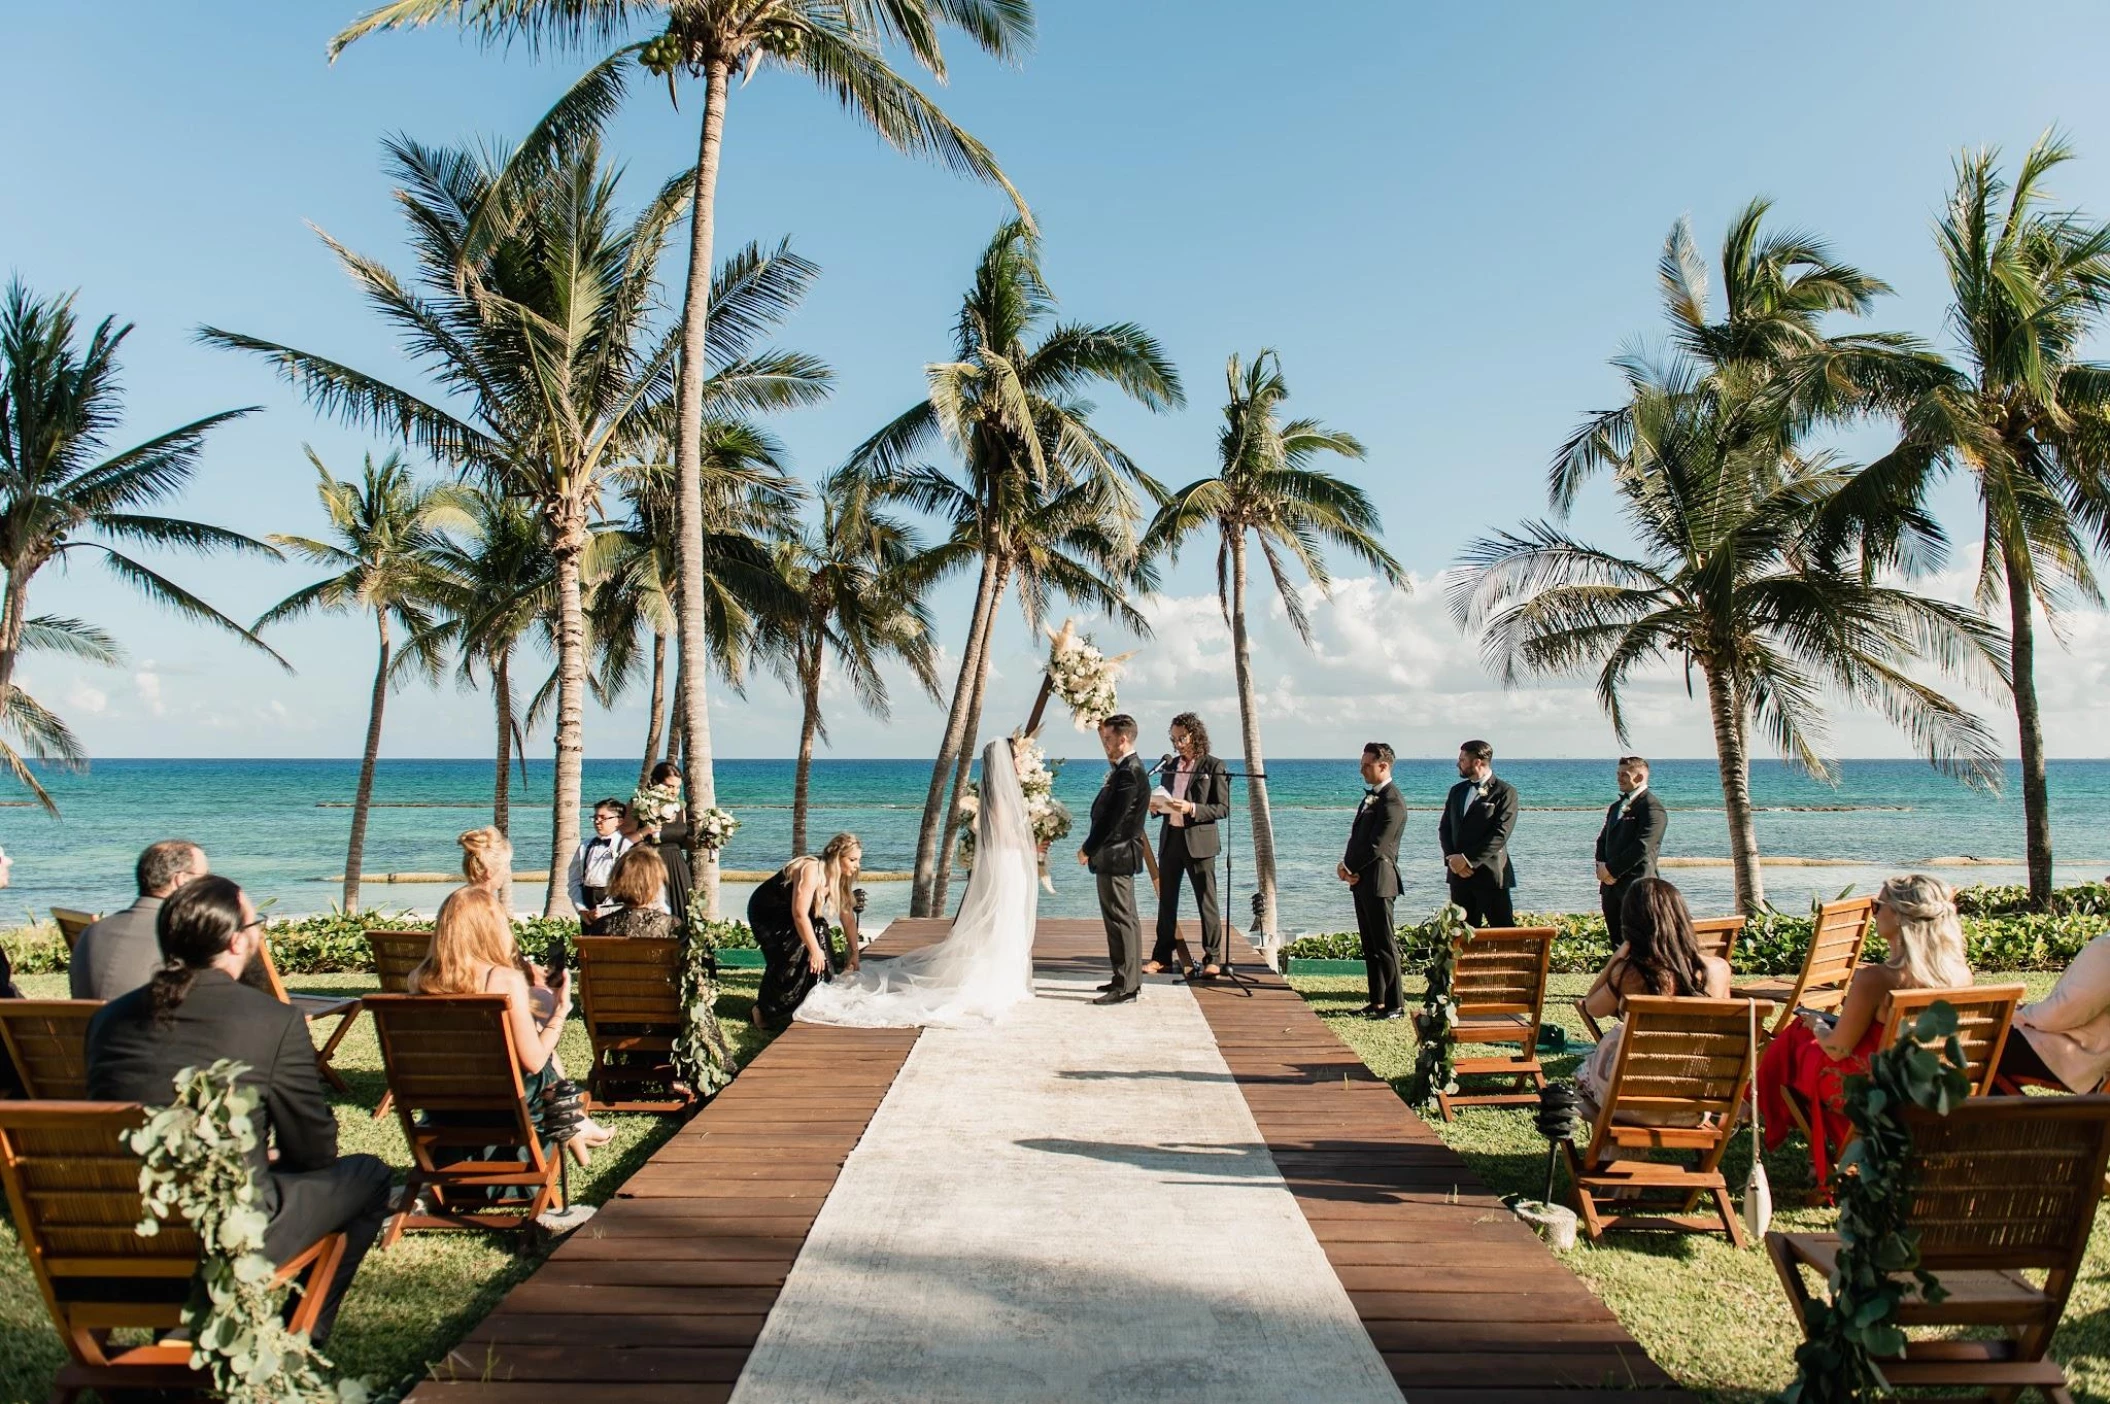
x: 473, y: 953
x: 487, y: 862
x: 789, y: 915
x: 1916, y: 917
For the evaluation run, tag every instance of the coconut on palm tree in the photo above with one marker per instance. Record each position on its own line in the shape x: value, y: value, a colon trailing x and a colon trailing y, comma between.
x: 1042, y: 498
x: 839, y: 45
x: 1267, y: 491
x: 62, y: 493
x: 2026, y: 416
x: 386, y: 531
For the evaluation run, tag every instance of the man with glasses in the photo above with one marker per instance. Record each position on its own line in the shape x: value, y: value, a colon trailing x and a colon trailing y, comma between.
x: 595, y: 860
x: 120, y: 953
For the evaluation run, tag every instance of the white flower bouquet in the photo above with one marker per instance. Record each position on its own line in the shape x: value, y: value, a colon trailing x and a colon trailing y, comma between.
x: 714, y: 829
x: 1082, y: 677
x: 1049, y: 817
x: 654, y: 805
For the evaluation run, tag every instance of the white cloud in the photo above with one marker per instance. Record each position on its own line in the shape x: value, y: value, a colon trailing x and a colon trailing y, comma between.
x: 84, y: 698
x: 147, y: 682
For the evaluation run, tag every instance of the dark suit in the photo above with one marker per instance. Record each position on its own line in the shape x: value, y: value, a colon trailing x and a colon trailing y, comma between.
x: 311, y: 1190
x: 1373, y: 857
x: 1188, y: 850
x: 1628, y: 844
x: 1478, y: 827
x: 1113, y: 850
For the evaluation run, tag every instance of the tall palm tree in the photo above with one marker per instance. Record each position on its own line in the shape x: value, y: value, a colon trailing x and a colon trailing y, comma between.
x: 61, y: 494
x: 1042, y: 497
x: 838, y: 44
x: 859, y: 578
x: 386, y: 531
x: 1266, y: 487
x: 2026, y: 416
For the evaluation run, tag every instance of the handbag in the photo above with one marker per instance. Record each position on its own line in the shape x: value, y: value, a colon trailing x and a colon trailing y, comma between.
x: 1758, y: 1193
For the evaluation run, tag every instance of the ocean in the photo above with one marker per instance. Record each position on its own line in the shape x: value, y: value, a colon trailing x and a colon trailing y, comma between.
x: 279, y: 827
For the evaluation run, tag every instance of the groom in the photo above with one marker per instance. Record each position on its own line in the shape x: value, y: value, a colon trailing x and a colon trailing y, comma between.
x: 1114, y: 851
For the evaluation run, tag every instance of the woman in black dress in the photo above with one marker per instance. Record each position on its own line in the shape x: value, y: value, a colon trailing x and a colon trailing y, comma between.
x: 789, y: 915
x: 671, y: 839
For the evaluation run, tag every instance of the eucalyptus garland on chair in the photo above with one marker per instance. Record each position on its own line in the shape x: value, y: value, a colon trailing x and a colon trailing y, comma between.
x: 1436, y: 1022
x: 195, y: 1171
x: 1873, y: 1182
x: 703, y: 1054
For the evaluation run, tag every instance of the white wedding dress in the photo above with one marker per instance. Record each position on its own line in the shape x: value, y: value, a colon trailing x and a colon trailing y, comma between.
x: 985, y: 967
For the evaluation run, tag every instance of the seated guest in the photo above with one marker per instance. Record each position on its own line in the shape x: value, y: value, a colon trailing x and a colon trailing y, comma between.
x: 1660, y: 956
x: 789, y: 915
x: 638, y: 884
x: 487, y: 862
x: 120, y: 953
x: 2063, y: 1040
x: 195, y: 1010
x: 587, y: 881
x: 473, y: 952
x: 1813, y: 1057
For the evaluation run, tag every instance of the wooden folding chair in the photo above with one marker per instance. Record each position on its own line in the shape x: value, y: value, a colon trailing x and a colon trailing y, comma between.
x: 73, y: 1188
x: 396, y: 954
x: 72, y: 923
x: 454, y: 1072
x: 343, y: 1008
x: 1717, y: 936
x: 1827, y: 967
x: 630, y: 988
x: 2003, y: 1186
x: 1499, y: 982
x: 48, y: 1040
x: 1680, y: 1076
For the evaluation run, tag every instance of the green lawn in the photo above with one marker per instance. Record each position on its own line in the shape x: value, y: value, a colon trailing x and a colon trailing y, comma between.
x: 1710, y: 1315
x: 412, y: 1302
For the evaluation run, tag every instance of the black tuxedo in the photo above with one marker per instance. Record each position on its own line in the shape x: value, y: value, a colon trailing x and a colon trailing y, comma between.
x: 1113, y: 849
x: 1188, y: 850
x: 1373, y: 859
x: 311, y: 1190
x: 1628, y: 844
x: 1478, y: 827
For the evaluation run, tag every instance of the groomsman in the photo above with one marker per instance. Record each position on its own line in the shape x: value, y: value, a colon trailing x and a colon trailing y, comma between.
x: 1371, y: 869
x: 1478, y: 818
x: 1631, y: 838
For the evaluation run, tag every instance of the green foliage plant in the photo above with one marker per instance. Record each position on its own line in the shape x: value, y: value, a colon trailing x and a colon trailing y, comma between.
x: 703, y: 1055
x: 1436, y: 1022
x: 195, y: 1169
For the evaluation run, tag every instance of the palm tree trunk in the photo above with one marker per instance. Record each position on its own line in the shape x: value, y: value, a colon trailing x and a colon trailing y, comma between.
x: 2029, y: 721
x: 949, y: 746
x: 13, y: 611
x: 502, y: 781
x: 809, y: 727
x: 1733, y: 761
x: 965, y: 761
x: 355, y: 853
x: 1249, y: 741
x: 693, y: 704
x: 570, y: 539
x: 656, y: 723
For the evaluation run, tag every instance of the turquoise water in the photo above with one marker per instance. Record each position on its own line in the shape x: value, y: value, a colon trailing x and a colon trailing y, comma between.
x: 279, y: 827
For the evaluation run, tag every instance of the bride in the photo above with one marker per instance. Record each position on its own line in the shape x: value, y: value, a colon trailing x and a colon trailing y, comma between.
x: 985, y: 966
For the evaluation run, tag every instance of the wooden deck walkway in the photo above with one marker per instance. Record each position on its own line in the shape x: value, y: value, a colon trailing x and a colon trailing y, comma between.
x: 662, y: 1295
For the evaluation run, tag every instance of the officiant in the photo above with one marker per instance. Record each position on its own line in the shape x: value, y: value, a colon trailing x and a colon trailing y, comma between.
x: 1192, y: 795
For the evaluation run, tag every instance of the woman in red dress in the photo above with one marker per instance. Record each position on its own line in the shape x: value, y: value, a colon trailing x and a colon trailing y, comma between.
x: 1813, y: 1057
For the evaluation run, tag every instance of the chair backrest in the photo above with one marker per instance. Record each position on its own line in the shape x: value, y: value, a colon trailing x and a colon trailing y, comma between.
x: 1717, y: 935
x: 2009, y: 1182
x: 48, y: 1039
x: 73, y: 1186
x: 454, y: 1071
x: 264, y: 957
x: 72, y: 923
x: 1502, y: 970
x: 1835, y: 950
x: 1984, y: 1014
x: 396, y: 954
x: 630, y: 981
x: 1683, y: 1063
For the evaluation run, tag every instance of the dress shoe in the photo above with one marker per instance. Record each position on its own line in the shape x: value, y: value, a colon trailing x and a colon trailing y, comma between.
x: 1115, y: 997
x: 1105, y: 987
x: 1366, y: 1011
x: 1387, y: 1015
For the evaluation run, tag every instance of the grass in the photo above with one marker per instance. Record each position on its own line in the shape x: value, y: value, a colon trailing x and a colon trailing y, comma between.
x: 410, y: 1304
x: 1712, y: 1316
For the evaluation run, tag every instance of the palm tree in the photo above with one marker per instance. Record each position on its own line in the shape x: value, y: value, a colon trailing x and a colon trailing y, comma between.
x: 386, y: 532
x: 1043, y: 498
x: 498, y: 585
x: 59, y: 403
x: 1266, y: 487
x: 2025, y: 416
x: 838, y: 44
x: 859, y: 578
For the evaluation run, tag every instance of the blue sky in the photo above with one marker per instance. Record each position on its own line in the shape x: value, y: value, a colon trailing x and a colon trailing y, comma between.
x: 1444, y: 218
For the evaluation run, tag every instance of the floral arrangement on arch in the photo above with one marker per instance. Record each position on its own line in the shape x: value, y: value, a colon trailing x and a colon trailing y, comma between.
x: 1081, y: 677
x: 1049, y: 816
x: 714, y: 829
x: 653, y: 805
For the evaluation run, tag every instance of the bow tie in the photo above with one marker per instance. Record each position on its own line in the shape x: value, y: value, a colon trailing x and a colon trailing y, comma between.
x: 597, y: 842
x: 1371, y: 791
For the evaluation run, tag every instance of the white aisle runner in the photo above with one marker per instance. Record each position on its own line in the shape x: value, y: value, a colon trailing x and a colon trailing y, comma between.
x: 1074, y: 1205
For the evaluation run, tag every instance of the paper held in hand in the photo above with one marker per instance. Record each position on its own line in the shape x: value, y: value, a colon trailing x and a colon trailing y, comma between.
x: 1160, y: 800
